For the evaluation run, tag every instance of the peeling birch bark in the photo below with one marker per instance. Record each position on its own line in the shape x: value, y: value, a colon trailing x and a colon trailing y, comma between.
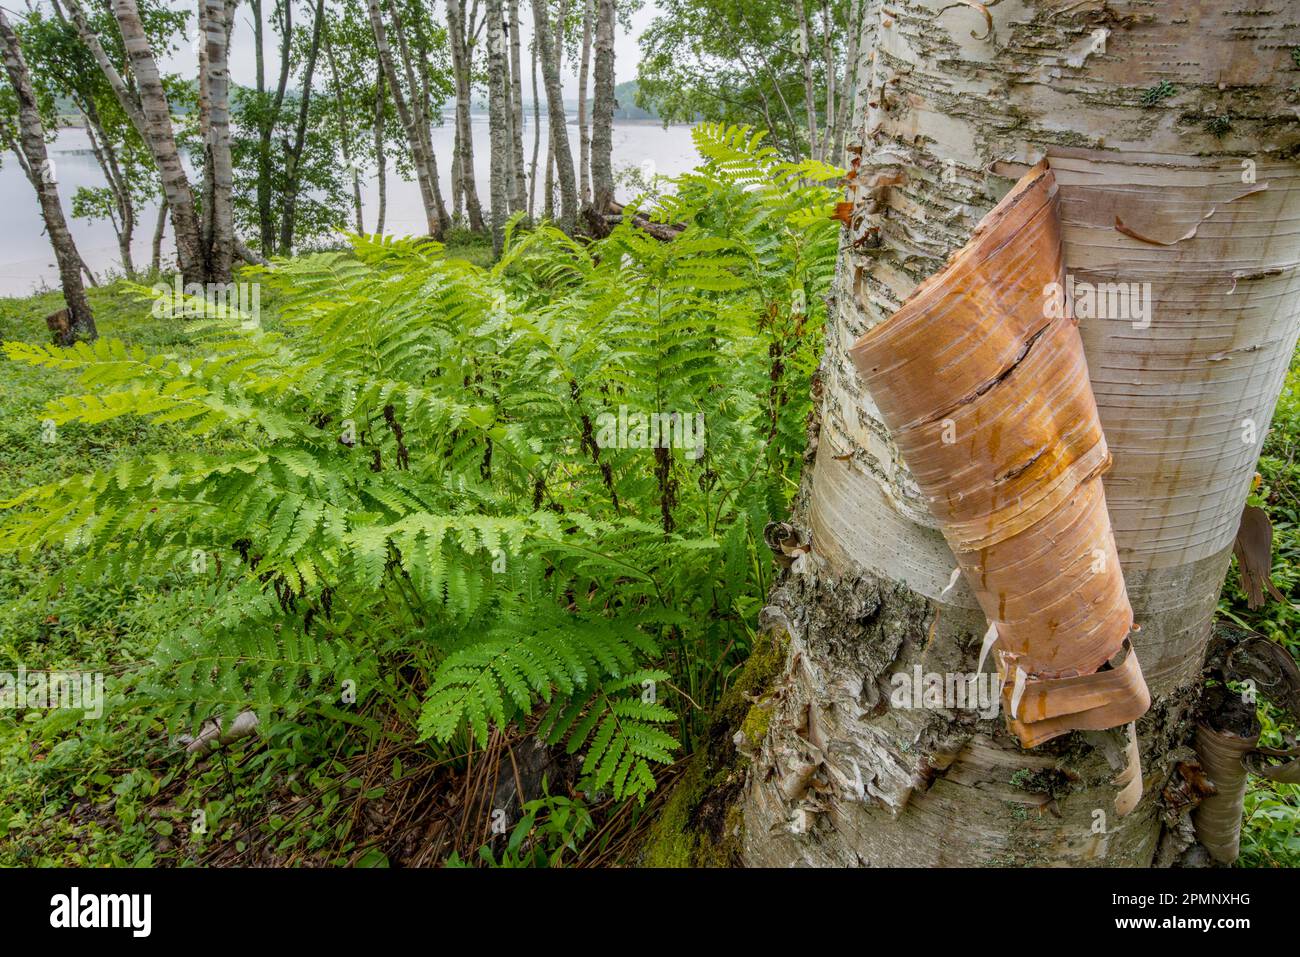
x: 959, y: 103
x: 1218, y: 818
x: 981, y: 380
x: 215, y: 733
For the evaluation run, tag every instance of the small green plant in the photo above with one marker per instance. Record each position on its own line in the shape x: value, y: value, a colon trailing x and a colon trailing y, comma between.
x: 551, y: 828
x: 1219, y: 126
x: 1154, y: 95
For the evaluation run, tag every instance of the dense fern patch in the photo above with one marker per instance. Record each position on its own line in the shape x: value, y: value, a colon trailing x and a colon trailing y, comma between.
x: 468, y: 495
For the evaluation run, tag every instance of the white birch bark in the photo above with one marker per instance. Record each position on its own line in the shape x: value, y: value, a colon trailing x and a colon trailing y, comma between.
x: 217, y: 18
x: 36, y: 163
x: 151, y: 116
x: 407, y: 113
x: 499, y: 110
x: 960, y: 105
x: 584, y: 124
x: 519, y: 195
x: 461, y: 61
x: 805, y: 61
x: 550, y: 57
x: 602, y: 134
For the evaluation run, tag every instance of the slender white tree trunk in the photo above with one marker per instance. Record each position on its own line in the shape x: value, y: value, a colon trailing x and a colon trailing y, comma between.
x: 805, y: 61
x: 602, y: 134
x: 499, y: 110
x: 519, y: 189
x: 216, y: 20
x: 462, y: 66
x: 537, y: 138
x: 151, y: 116
x: 407, y: 112
x: 381, y: 158
x: 584, y: 125
x: 36, y: 164
x: 550, y: 57
x: 1160, y: 185
x: 350, y: 159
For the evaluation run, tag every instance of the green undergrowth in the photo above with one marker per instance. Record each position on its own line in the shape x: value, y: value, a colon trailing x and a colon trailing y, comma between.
x: 402, y: 518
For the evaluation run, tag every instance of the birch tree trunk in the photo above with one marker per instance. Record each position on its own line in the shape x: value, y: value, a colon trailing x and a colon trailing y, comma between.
x: 151, y: 116
x: 462, y: 66
x: 550, y: 57
x: 519, y: 200
x: 381, y: 159
x: 216, y: 21
x: 267, y: 119
x: 602, y: 134
x: 101, y: 146
x: 36, y: 164
x: 1163, y: 126
x: 160, y: 227
x: 584, y: 125
x: 805, y: 60
x: 345, y: 133
x: 457, y: 191
x: 293, y: 159
x: 859, y: 33
x: 407, y: 112
x: 421, y: 106
x: 499, y: 109
x: 537, y: 138
x: 508, y: 114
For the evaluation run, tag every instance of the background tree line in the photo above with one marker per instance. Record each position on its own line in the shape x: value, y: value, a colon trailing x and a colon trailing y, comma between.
x: 352, y: 88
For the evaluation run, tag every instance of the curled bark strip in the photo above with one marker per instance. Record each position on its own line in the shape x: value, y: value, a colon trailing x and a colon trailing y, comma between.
x: 1254, y: 550
x: 1120, y: 226
x: 214, y: 733
x: 988, y: 17
x: 1288, y: 771
x: 1270, y: 666
x: 1129, y: 780
x: 1218, y: 818
x: 786, y: 541
x: 981, y: 378
x: 1051, y: 707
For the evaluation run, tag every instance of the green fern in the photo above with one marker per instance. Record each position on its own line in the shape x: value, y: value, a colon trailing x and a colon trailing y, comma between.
x: 406, y: 471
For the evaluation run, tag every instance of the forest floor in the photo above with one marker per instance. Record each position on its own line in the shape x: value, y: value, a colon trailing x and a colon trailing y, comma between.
x: 117, y: 792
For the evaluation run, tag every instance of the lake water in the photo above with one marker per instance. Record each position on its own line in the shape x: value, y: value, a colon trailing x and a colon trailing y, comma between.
x: 27, y: 261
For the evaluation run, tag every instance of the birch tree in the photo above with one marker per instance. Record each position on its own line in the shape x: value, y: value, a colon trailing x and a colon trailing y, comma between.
x: 584, y: 124
x: 498, y: 121
x: 410, y: 110
x: 460, y: 35
x: 550, y: 60
x: 347, y: 145
x: 602, y: 134
x: 146, y: 104
x: 294, y: 151
x: 537, y: 134
x: 59, y: 65
x: 806, y: 64
x: 216, y: 19
x: 36, y: 165
x: 1178, y: 191
x: 519, y: 194
x: 268, y: 112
